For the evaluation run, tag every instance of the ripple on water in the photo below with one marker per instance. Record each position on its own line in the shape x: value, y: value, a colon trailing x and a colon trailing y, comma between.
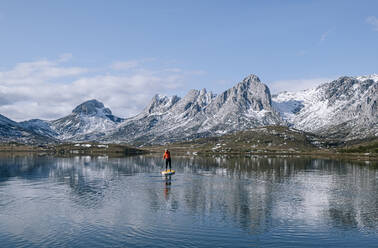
x: 126, y: 203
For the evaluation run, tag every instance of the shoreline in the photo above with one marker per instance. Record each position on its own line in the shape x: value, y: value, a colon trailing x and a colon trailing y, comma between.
x: 114, y: 150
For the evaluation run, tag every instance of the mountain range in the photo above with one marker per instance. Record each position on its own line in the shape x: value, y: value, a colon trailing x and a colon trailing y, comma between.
x: 344, y: 109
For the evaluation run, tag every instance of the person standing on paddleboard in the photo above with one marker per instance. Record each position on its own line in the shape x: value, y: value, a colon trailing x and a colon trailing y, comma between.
x: 167, y: 157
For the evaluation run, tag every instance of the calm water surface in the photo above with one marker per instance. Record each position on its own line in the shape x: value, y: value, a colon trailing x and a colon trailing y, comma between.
x: 244, y: 202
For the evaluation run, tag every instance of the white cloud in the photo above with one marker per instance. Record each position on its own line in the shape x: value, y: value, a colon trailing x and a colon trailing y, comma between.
x: 48, y: 90
x: 38, y: 71
x: 296, y: 84
x: 372, y: 20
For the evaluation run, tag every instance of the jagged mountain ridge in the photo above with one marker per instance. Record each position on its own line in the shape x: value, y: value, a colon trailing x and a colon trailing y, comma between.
x: 200, y: 114
x: 345, y: 108
x: 166, y: 119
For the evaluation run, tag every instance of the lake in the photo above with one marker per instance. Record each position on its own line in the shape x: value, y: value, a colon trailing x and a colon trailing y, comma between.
x: 47, y: 201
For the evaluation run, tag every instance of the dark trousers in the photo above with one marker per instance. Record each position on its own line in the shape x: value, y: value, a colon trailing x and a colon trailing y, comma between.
x: 168, y: 162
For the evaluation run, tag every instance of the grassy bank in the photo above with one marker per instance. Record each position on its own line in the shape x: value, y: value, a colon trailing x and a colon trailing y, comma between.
x: 271, y: 141
x: 70, y: 149
x: 264, y: 141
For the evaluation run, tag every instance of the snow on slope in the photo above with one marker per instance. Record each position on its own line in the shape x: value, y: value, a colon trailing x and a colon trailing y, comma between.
x: 87, y: 118
x: 39, y: 126
x: 343, y: 108
x: 347, y: 101
x: 201, y: 113
x: 11, y: 131
x: 297, y: 108
x: 373, y: 77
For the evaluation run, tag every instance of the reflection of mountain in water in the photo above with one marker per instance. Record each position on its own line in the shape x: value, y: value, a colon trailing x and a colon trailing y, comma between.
x: 255, y: 193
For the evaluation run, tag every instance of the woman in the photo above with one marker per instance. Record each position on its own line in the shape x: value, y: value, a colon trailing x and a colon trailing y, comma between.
x: 167, y: 157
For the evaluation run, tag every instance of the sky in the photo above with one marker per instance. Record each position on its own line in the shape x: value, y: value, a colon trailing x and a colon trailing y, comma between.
x: 57, y: 54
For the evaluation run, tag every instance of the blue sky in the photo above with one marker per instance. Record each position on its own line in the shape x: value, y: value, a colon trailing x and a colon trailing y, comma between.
x: 123, y: 52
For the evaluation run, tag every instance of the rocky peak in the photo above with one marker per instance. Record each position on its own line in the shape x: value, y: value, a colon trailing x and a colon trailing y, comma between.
x: 345, y: 88
x: 251, y: 78
x: 193, y: 102
x: 203, y: 92
x: 253, y: 84
x: 91, y: 107
x: 187, y: 103
x: 160, y: 104
x: 249, y: 93
x: 205, y: 97
x: 191, y: 96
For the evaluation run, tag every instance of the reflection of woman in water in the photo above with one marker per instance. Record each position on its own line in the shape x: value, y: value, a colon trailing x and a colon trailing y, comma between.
x: 168, y: 180
x: 167, y: 187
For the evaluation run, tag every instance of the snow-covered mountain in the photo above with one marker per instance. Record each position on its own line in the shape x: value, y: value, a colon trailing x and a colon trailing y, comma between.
x: 89, y: 117
x: 87, y: 121
x: 167, y: 119
x: 39, y: 126
x: 199, y: 114
x: 344, y: 108
x: 11, y: 131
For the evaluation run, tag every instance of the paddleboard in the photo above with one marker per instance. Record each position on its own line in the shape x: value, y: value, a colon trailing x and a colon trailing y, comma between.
x: 168, y: 172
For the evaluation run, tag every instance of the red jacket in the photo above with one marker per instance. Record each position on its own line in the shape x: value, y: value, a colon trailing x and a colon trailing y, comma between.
x: 167, y: 155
